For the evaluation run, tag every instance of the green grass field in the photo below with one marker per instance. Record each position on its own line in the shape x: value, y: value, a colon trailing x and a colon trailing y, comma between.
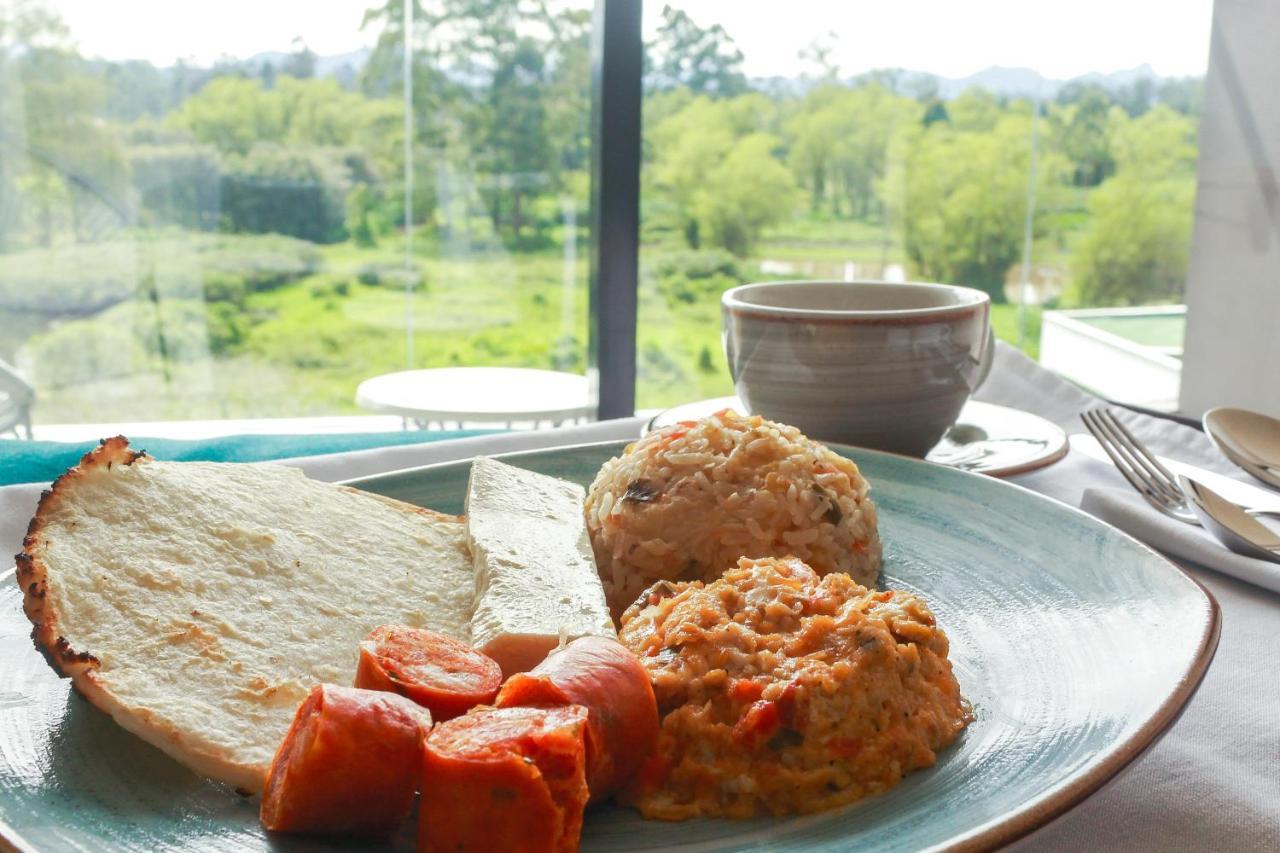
x: 300, y: 348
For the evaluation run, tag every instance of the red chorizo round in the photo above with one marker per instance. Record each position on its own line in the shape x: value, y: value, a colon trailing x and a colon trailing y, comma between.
x: 445, y: 675
x: 606, y: 678
x: 350, y: 763
x: 505, y: 779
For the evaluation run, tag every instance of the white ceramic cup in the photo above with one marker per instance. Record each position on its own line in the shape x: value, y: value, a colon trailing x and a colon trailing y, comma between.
x: 873, y: 364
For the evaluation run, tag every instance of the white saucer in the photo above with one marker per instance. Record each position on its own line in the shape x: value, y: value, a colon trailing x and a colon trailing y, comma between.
x: 986, y: 439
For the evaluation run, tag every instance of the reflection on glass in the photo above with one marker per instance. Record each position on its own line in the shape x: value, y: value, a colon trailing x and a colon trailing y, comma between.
x: 215, y: 222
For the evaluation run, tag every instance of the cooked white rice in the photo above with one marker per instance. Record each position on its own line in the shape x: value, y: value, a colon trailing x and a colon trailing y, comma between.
x: 684, y: 503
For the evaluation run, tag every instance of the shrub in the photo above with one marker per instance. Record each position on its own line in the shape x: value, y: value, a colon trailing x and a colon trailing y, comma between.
x: 698, y: 264
x: 261, y: 263
x: 330, y: 289
x: 658, y: 367
x: 220, y: 286
x: 568, y: 354
x: 177, y: 184
x: 694, y: 277
x: 300, y: 192
x: 83, y: 351
x: 225, y: 328
x: 390, y: 275
x: 369, y: 275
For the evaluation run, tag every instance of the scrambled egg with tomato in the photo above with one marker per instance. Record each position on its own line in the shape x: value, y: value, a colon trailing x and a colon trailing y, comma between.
x: 782, y: 692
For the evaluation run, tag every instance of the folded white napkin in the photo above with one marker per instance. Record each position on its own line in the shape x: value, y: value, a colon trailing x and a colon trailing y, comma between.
x: 1127, y: 510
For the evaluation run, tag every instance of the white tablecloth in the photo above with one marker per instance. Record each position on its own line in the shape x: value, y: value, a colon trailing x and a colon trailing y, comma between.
x: 1213, y: 781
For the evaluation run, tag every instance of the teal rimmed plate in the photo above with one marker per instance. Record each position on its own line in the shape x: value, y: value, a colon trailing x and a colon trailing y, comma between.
x: 1077, y: 646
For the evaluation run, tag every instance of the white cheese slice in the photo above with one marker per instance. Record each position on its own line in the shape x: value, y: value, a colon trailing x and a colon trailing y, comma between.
x: 536, y: 580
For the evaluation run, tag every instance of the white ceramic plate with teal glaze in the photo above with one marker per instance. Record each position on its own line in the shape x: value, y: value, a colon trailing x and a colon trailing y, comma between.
x: 1076, y: 645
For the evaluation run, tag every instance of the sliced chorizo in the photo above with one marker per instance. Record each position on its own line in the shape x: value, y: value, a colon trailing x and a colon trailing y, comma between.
x: 610, y: 681
x: 445, y: 675
x: 350, y: 763
x: 510, y: 779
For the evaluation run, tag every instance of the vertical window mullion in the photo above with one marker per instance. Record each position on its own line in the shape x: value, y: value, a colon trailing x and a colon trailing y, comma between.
x: 617, y: 68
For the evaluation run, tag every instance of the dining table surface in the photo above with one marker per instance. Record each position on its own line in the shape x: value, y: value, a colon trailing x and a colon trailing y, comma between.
x: 1212, y: 782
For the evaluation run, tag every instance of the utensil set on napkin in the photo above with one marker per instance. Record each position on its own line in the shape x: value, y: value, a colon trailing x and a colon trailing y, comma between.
x: 1183, y: 495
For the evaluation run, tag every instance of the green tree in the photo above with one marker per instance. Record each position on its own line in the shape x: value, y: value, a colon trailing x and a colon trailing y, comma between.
x: 719, y: 168
x: 1161, y: 143
x: 702, y: 59
x: 974, y: 110
x: 1183, y: 94
x: 318, y: 112
x: 516, y: 146
x: 288, y: 190
x: 232, y: 114
x: 1138, y: 96
x: 1079, y: 129
x: 685, y: 147
x: 363, y: 222
x: 839, y: 140
x: 814, y: 133
x: 56, y: 153
x: 1135, y: 248
x: 235, y: 113
x: 301, y: 64
x: 748, y: 190
x: 500, y: 88
x: 960, y: 199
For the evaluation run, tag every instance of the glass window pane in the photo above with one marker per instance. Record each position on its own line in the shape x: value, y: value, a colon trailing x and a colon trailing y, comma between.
x: 206, y: 220
x: 854, y: 143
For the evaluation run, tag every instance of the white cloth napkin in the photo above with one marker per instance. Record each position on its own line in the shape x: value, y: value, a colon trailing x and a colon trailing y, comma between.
x: 1128, y: 511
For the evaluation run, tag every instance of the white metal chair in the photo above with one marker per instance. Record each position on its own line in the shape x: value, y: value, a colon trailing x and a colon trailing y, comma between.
x: 16, y: 399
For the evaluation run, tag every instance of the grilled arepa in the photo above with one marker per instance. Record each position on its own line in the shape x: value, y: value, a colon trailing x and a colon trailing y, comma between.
x: 198, y: 603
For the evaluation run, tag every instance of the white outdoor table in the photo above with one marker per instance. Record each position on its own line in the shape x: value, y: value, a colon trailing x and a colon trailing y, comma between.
x: 502, y: 395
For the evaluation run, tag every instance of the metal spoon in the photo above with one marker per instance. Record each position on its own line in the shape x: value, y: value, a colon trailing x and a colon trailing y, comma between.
x: 1229, y: 522
x: 1249, y: 439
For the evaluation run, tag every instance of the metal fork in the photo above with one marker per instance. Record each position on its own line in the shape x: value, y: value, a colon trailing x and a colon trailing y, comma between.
x: 1142, y: 469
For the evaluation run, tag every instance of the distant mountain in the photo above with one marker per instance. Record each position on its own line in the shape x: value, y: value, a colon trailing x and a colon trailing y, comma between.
x: 1001, y: 81
x: 331, y: 66
x: 1029, y: 83
x: 343, y: 66
x: 1006, y: 82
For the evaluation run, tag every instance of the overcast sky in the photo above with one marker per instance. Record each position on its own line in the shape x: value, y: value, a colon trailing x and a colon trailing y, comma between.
x: 1058, y: 38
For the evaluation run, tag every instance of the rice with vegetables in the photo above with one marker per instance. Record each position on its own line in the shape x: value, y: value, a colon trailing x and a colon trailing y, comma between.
x: 685, y: 502
x: 782, y: 692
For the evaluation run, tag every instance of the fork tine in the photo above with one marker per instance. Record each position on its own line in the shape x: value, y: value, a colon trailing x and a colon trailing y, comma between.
x: 1121, y: 461
x: 1134, y: 462
x: 1135, y: 449
x: 1141, y: 479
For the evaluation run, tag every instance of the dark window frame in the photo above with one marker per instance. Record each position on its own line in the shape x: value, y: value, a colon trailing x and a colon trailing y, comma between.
x: 617, y: 71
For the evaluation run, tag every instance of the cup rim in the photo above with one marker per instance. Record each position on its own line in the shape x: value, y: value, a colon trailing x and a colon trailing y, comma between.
x: 972, y: 299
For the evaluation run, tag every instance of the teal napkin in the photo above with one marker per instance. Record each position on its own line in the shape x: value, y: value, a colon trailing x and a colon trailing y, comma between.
x: 42, y: 461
